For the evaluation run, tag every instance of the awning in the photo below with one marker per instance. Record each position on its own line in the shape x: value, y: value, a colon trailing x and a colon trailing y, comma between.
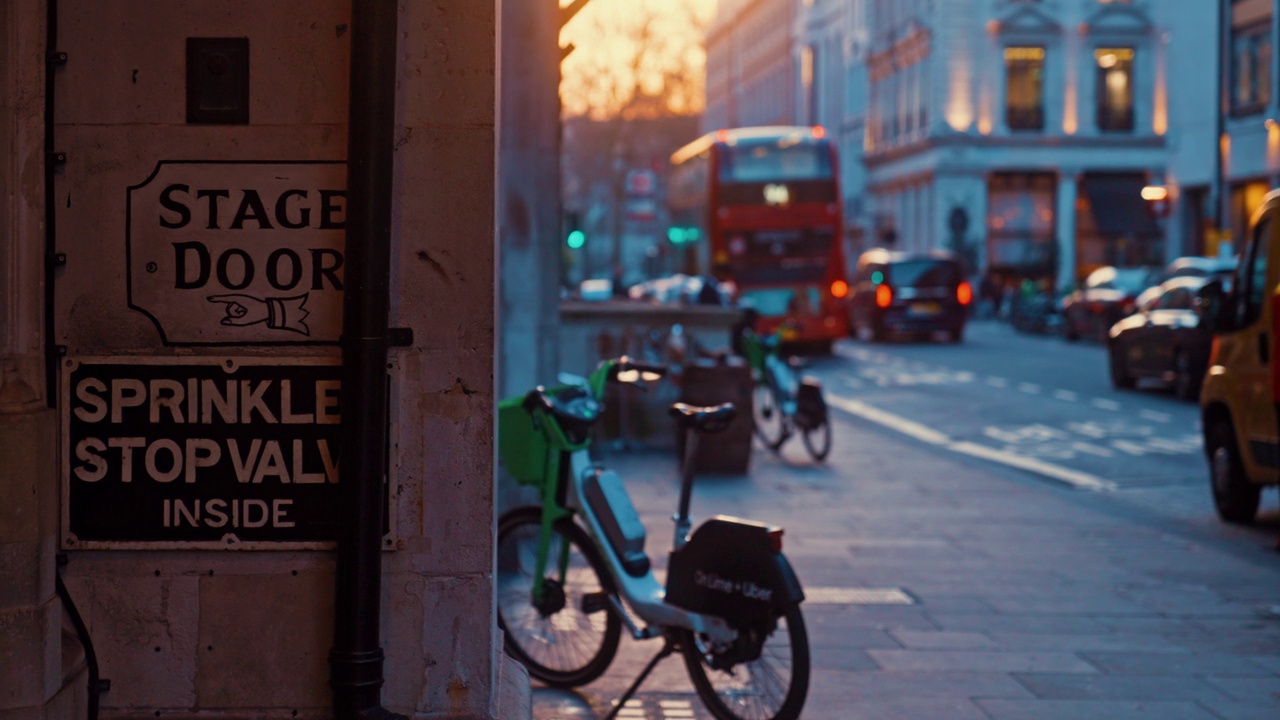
x: 1117, y: 204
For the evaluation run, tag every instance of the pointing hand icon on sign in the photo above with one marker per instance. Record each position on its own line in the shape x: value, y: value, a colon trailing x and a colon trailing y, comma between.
x: 242, y: 309
x: 278, y: 313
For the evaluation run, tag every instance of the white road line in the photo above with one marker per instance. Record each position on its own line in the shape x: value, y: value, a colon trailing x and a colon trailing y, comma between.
x: 889, y: 420
x: 856, y: 596
x: 997, y: 382
x: 926, y: 434
x: 1071, y: 477
x: 1157, y: 416
x: 1103, y: 404
x: 964, y: 376
x: 1029, y: 388
x: 1066, y: 395
x: 1092, y: 449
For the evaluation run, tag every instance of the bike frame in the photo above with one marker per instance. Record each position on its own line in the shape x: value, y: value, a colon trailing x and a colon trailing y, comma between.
x: 644, y: 594
x: 566, y: 498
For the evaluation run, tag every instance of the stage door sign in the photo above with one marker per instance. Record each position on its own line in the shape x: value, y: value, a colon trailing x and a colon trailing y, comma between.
x: 239, y: 253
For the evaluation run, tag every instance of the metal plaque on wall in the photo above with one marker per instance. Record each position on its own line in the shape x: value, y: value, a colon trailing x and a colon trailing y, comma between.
x: 238, y: 253
x: 190, y: 452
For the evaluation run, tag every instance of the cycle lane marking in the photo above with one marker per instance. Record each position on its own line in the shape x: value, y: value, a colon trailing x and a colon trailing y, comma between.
x: 919, y: 431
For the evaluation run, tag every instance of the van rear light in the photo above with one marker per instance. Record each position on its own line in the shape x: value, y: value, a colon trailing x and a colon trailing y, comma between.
x: 964, y: 293
x: 884, y: 296
x: 839, y: 288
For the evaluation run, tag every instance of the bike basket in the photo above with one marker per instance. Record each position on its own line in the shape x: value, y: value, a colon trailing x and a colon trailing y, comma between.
x: 522, y: 447
x: 811, y: 409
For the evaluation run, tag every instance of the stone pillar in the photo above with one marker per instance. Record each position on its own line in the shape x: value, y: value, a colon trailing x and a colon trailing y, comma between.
x: 32, y: 662
x: 441, y: 640
x: 1065, y: 229
x: 529, y: 200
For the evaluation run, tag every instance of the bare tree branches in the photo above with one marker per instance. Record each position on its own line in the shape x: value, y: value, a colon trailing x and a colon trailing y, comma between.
x: 636, y: 59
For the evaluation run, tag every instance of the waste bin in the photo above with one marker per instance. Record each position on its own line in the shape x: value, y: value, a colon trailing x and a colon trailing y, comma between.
x: 711, y: 382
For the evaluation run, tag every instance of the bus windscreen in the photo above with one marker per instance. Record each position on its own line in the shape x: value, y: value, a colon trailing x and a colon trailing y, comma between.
x: 775, y: 161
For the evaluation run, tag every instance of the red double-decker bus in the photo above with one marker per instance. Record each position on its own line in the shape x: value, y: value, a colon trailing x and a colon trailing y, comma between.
x: 760, y: 207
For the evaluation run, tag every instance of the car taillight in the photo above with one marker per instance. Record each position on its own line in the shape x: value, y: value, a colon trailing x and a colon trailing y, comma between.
x: 964, y: 293
x: 1213, y: 351
x: 839, y: 289
x: 775, y: 539
x: 884, y: 296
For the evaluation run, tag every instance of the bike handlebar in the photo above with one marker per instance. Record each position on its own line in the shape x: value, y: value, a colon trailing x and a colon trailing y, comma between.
x: 626, y: 364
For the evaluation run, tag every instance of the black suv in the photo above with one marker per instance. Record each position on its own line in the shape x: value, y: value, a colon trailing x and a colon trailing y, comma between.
x: 918, y: 293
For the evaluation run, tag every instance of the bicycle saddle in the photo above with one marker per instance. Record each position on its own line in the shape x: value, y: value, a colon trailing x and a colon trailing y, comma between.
x: 704, y: 419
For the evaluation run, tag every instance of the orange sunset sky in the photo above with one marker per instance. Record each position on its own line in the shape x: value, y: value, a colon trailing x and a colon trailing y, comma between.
x: 622, y: 44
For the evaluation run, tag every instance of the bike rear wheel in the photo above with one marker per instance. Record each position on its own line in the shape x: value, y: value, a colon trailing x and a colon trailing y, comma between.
x: 767, y: 417
x: 773, y: 686
x: 818, y: 440
x: 558, y: 640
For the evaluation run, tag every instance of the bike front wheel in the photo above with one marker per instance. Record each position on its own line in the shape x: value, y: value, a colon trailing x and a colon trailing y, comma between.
x: 767, y: 416
x: 818, y: 440
x: 562, y: 641
x: 772, y: 686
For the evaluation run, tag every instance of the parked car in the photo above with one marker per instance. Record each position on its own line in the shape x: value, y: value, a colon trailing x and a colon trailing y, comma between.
x: 1197, y: 266
x: 1109, y: 293
x: 918, y: 293
x: 1164, y: 340
x: 1238, y: 400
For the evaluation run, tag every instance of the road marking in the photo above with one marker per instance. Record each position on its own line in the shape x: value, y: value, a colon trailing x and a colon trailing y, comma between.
x: 856, y: 596
x: 1085, y: 447
x: 1071, y: 477
x: 927, y: 434
x: 1066, y: 395
x: 1157, y: 416
x: 1102, y: 404
x: 889, y: 420
x: 997, y: 382
x: 1028, y: 388
x: 964, y: 376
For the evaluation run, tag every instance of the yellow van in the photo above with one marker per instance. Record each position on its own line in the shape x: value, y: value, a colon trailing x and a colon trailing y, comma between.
x: 1240, y: 398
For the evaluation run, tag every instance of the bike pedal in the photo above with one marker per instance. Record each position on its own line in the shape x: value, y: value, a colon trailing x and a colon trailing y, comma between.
x: 595, y: 602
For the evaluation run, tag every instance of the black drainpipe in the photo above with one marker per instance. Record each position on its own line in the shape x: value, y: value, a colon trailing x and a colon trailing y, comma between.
x: 53, y: 59
x: 355, y: 662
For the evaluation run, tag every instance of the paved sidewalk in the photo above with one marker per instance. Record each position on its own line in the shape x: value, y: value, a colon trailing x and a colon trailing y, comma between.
x: 1027, y: 600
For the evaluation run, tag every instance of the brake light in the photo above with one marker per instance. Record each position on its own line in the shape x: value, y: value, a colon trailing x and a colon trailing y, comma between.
x: 775, y: 539
x: 839, y: 288
x: 819, y: 132
x: 964, y: 293
x: 1213, y: 351
x: 884, y: 296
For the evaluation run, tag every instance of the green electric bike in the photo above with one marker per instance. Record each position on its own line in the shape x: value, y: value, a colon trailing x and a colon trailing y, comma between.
x: 782, y: 403
x: 572, y: 570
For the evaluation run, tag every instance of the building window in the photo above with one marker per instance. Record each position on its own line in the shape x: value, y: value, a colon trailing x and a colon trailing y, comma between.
x: 1115, y: 88
x: 1250, y: 80
x: 1024, y: 88
x: 808, y: 84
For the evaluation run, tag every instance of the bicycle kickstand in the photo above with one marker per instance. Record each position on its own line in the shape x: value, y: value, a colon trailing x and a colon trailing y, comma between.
x: 667, y: 648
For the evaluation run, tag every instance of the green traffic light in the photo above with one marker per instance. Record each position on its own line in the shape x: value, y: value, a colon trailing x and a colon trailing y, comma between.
x: 576, y: 239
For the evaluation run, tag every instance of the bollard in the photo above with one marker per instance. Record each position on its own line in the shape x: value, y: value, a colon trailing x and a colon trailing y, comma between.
x: 711, y: 382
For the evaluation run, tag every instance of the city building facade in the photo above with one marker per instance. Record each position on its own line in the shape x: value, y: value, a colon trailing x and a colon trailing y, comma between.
x: 752, y: 72
x: 1249, y: 134
x: 1020, y: 134
x: 1039, y: 139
